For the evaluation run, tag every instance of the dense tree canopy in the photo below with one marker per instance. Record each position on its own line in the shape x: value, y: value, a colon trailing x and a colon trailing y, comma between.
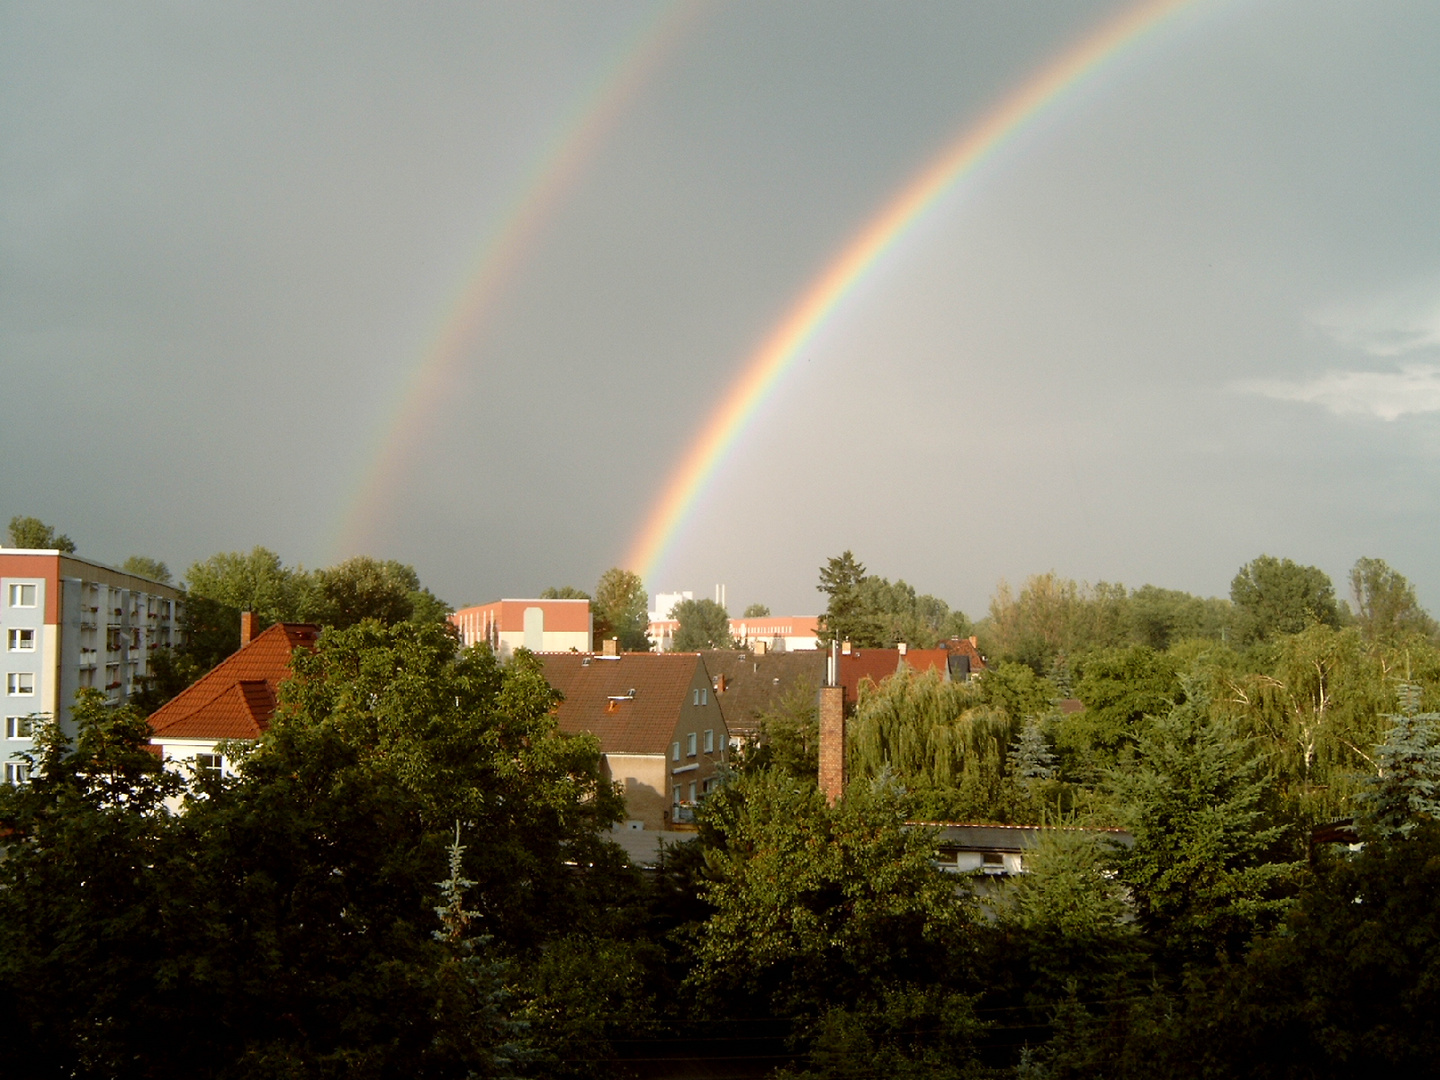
x: 870, y: 612
x: 30, y: 532
x: 410, y: 873
x: 704, y: 624
x: 1277, y: 596
x: 146, y: 567
x: 621, y: 610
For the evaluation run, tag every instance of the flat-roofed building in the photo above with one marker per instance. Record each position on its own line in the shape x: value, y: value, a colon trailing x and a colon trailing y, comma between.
x: 537, y: 625
x: 67, y: 623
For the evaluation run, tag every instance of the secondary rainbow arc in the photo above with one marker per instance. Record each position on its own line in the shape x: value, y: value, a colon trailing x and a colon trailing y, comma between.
x: 591, y: 118
x: 778, y: 351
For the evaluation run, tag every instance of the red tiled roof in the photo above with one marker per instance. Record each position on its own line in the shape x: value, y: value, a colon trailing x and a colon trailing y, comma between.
x: 877, y: 664
x: 237, y: 698
x: 597, y: 697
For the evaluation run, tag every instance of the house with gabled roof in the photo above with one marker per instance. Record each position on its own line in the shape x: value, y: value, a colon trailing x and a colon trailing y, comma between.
x: 235, y: 700
x: 661, y: 731
x: 750, y: 684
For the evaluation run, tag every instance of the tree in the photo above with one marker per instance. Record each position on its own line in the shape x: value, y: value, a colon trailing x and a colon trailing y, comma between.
x: 838, y: 914
x: 846, y: 616
x: 1161, y: 617
x: 93, y: 863
x: 756, y: 611
x: 30, y: 532
x: 256, y: 581
x: 1406, y: 789
x: 362, y: 588
x: 564, y: 592
x: 938, y: 740
x: 1121, y: 688
x: 620, y: 610
x: 286, y: 923
x: 870, y: 612
x: 1277, y: 596
x: 789, y: 736
x: 1386, y: 608
x: 803, y: 912
x: 704, y: 624
x: 141, y: 566
x: 1207, y: 870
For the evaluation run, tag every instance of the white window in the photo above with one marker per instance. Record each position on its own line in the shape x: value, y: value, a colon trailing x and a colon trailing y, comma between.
x: 17, y: 727
x: 675, y: 751
x: 17, y: 772
x: 709, y: 740
x: 677, y: 794
x: 704, y: 697
x: 22, y: 595
x: 690, y: 745
x: 20, y: 684
x: 22, y: 640
x: 210, y: 763
x: 692, y: 791
x: 694, y: 697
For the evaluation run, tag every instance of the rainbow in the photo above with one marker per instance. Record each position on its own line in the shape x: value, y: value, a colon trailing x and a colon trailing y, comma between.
x: 575, y: 143
x: 777, y: 352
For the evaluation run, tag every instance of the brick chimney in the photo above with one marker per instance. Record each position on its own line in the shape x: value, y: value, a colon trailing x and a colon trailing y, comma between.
x: 610, y: 647
x: 832, y: 742
x: 247, y: 628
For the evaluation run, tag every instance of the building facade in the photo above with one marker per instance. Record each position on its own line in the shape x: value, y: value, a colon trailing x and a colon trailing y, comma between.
x: 537, y: 625
x: 661, y: 730
x: 67, y: 624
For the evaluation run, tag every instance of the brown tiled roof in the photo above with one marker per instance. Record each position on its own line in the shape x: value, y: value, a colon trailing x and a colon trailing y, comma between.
x: 754, y: 685
x: 237, y: 698
x: 597, y: 697
x: 965, y: 647
x: 860, y: 664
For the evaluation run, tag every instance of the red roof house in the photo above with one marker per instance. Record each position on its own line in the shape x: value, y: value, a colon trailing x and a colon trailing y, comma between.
x: 660, y: 728
x: 235, y: 700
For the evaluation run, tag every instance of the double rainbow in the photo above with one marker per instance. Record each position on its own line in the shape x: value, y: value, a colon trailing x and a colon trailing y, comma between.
x: 778, y: 352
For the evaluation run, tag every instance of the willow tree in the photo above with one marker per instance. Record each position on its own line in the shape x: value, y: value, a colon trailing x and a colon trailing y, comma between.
x: 940, y: 741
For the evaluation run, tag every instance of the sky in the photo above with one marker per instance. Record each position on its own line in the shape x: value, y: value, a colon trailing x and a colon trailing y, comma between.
x: 1189, y: 315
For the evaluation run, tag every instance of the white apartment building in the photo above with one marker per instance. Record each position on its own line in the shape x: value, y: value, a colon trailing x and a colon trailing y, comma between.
x: 68, y: 623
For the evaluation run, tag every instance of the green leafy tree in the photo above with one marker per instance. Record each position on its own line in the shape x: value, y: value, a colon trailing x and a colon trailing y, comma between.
x: 1346, y: 990
x: 847, y: 616
x: 1208, y: 870
x: 93, y: 864
x: 1066, y: 953
x: 365, y: 588
x: 789, y: 737
x: 938, y: 740
x: 1161, y: 617
x: 1277, y: 596
x: 704, y: 624
x: 1054, y: 617
x: 1120, y: 689
x: 870, y: 612
x: 756, y: 611
x: 145, y: 567
x: 30, y: 532
x: 1386, y: 608
x: 620, y: 610
x: 564, y: 592
x: 256, y: 581
x: 836, y: 919
x: 325, y: 851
